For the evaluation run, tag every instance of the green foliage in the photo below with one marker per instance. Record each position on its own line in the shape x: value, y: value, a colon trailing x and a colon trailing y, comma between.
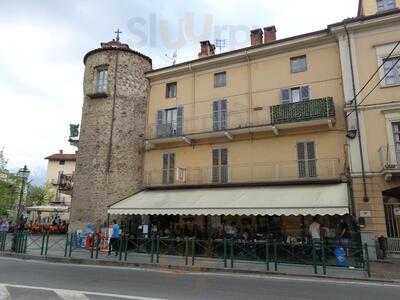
x: 39, y: 195
x: 8, y: 196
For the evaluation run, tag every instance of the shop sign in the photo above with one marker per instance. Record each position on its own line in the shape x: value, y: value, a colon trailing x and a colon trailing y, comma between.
x: 365, y: 213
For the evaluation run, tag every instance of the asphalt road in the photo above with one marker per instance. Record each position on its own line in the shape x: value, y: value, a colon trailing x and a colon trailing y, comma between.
x: 21, y: 279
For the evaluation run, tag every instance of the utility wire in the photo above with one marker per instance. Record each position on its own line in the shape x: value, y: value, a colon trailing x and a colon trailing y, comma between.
x: 376, y: 85
x: 372, y: 77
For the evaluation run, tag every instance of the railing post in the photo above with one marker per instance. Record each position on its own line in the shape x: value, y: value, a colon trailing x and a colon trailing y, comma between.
x: 65, y: 248
x: 323, y: 257
x: 26, y: 242
x: 126, y: 249
x: 152, y: 250
x: 275, y: 256
x: 225, y: 252
x: 97, y: 247
x: 120, y: 247
x: 267, y: 253
x: 193, y: 250
x: 47, y: 244
x: 186, y: 251
x: 367, y: 264
x: 314, y: 258
x: 70, y: 244
x: 158, y: 250
x: 92, y: 246
x: 232, y: 254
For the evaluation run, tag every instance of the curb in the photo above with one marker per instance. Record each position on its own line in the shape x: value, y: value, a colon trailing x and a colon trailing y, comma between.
x: 187, y: 269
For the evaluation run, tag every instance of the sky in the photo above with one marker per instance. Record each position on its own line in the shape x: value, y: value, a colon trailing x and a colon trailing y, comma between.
x: 42, y: 44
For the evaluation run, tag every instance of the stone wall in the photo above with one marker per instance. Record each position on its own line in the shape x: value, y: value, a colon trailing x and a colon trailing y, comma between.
x: 94, y: 187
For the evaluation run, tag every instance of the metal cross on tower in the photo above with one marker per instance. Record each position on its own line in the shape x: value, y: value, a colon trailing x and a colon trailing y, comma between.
x: 118, y: 33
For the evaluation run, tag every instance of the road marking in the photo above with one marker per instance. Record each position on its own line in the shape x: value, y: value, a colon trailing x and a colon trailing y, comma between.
x: 73, y: 294
x: 69, y: 295
x: 4, y: 294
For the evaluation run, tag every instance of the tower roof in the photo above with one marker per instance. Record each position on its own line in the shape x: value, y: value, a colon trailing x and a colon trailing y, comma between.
x: 114, y: 44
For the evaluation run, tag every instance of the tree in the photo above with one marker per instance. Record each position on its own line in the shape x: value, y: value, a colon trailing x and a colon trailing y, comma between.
x: 3, y: 162
x: 39, y: 195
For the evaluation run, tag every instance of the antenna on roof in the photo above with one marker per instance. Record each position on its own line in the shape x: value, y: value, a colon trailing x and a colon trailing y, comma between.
x: 173, y: 58
x: 220, y: 44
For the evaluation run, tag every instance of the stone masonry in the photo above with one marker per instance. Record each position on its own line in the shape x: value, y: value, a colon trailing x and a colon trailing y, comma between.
x: 110, y: 157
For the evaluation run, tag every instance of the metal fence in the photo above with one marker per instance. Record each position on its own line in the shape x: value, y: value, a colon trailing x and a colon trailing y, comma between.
x: 266, y: 255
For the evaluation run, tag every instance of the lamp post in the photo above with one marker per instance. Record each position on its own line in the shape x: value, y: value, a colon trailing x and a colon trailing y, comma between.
x: 24, y: 175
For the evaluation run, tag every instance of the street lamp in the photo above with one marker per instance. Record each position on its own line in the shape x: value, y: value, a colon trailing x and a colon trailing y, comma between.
x: 24, y: 175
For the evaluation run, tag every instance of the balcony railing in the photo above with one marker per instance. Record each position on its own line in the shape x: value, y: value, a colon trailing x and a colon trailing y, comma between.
x: 390, y: 158
x: 314, y: 109
x: 246, y: 173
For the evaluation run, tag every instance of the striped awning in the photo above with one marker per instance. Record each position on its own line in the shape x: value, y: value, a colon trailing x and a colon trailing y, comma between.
x: 278, y: 200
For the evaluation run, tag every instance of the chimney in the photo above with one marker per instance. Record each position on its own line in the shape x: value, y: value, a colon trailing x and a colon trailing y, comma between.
x: 269, y: 34
x: 61, y: 151
x: 207, y: 49
x: 256, y: 36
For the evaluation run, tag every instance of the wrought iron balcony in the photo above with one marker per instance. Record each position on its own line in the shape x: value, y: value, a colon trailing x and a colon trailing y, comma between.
x: 237, y: 121
x: 246, y: 173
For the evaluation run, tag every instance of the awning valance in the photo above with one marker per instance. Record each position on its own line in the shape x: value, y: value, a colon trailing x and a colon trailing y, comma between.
x: 277, y: 200
x: 48, y: 208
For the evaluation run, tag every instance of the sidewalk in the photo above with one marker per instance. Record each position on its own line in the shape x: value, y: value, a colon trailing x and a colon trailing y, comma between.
x: 387, y: 270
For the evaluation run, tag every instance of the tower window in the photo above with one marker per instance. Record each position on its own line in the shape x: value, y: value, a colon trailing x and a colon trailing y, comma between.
x: 392, y: 69
x: 220, y: 79
x: 170, y: 91
x: 62, y: 162
x: 298, y: 64
x: 385, y: 5
x: 101, y: 80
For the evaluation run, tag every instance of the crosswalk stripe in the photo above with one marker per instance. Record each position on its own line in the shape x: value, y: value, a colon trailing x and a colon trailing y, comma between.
x: 4, y: 294
x: 70, y: 295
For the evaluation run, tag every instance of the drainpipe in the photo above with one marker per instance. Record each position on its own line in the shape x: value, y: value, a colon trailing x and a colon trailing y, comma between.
x: 357, y: 117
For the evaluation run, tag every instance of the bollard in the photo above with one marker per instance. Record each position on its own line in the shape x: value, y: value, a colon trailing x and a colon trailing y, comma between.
x: 97, y: 247
x: 367, y: 260
x: 193, y: 250
x: 314, y: 258
x: 186, y: 251
x: 25, y: 242
x: 267, y: 254
x: 232, y: 254
x: 225, y: 252
x: 66, y: 245
x: 158, y: 250
x: 323, y: 258
x: 275, y: 256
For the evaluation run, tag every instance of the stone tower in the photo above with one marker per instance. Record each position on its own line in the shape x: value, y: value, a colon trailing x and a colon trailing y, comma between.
x: 111, y: 142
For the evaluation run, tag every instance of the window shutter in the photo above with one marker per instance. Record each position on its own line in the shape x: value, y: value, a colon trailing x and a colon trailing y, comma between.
x: 305, y: 93
x: 215, y: 108
x: 301, y: 160
x: 224, y: 157
x: 160, y: 118
x: 311, y: 162
x: 223, y: 114
x: 215, y: 157
x: 179, y: 121
x: 300, y: 151
x: 285, y: 96
x: 310, y: 150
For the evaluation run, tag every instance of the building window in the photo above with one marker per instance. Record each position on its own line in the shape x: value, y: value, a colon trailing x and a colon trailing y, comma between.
x: 392, y: 69
x: 170, y: 122
x: 220, y: 165
x: 385, y: 5
x: 220, y: 79
x: 101, y: 80
x: 62, y: 162
x: 168, y: 171
x: 170, y: 91
x: 219, y: 115
x: 298, y: 64
x: 306, y: 159
x: 296, y: 94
